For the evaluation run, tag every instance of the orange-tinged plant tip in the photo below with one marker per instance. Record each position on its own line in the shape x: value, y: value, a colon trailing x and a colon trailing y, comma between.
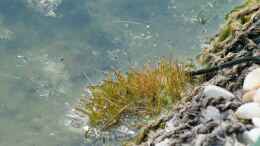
x: 138, y: 92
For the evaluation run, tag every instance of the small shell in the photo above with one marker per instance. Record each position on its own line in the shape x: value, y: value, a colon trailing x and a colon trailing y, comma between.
x: 252, y: 135
x: 256, y: 122
x: 248, y: 111
x: 256, y: 96
x: 249, y: 96
x: 215, y: 91
x: 252, y: 80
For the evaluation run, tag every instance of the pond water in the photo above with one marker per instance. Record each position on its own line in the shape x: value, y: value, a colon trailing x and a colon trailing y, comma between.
x: 51, y: 49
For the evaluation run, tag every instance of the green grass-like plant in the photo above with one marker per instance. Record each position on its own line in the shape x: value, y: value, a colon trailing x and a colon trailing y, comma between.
x: 140, y: 92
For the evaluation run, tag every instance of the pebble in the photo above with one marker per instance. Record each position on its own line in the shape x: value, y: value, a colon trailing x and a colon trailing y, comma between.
x: 256, y: 122
x: 211, y: 113
x: 215, y: 91
x: 248, y: 110
x: 252, y: 80
x: 252, y: 135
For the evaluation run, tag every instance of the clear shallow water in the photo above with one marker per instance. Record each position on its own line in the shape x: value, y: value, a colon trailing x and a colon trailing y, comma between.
x: 50, y: 51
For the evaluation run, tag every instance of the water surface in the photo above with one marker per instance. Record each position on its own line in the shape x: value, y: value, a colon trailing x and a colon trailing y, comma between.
x: 50, y: 49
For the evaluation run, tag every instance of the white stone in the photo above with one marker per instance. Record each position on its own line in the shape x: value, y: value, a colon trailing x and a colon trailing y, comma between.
x: 252, y: 80
x: 215, y: 91
x: 256, y: 122
x: 248, y: 111
x: 256, y: 97
x: 253, y: 135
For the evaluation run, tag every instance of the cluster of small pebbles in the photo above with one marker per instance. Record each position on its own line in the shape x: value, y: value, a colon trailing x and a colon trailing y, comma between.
x: 206, y: 120
x: 213, y: 117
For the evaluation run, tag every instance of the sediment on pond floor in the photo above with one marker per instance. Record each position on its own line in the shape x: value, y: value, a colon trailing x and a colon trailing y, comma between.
x: 207, y: 120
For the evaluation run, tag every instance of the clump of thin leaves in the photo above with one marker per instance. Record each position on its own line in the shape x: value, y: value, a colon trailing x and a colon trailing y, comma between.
x: 137, y: 92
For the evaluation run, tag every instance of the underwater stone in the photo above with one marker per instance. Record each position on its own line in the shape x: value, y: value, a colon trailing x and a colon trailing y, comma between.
x: 215, y: 91
x: 248, y: 111
x: 252, y: 80
x: 252, y: 135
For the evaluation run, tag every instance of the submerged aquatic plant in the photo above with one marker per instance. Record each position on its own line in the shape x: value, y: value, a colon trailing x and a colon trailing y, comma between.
x: 138, y: 92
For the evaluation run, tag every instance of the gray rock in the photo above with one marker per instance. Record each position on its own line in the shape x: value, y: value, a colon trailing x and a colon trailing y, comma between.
x: 211, y: 113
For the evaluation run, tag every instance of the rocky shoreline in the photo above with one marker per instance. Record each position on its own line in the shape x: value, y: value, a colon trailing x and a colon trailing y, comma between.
x: 208, y: 117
